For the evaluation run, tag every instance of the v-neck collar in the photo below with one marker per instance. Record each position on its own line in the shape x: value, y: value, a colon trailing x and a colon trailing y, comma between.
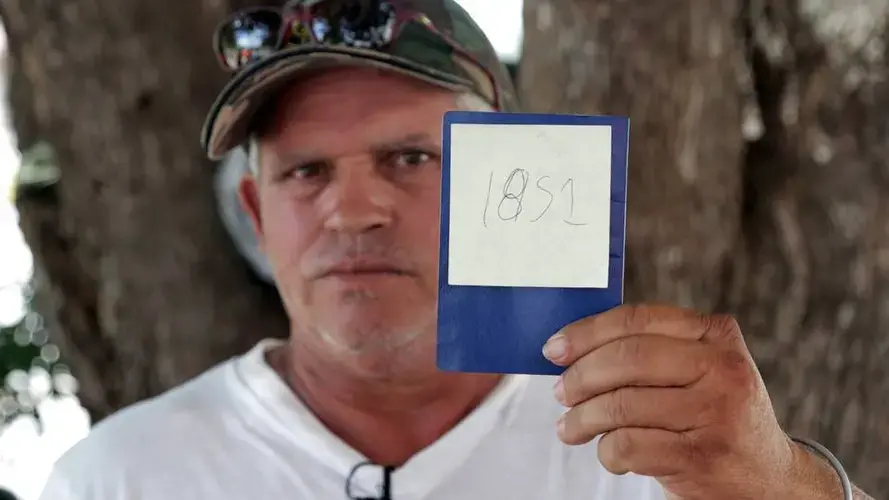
x: 283, y: 410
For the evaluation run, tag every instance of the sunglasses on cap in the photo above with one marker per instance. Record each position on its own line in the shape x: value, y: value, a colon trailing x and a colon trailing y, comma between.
x: 391, y: 27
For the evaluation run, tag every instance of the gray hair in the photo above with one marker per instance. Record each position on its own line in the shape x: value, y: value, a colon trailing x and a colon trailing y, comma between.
x: 466, y: 101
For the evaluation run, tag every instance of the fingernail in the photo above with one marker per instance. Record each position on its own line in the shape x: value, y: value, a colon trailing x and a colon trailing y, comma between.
x: 556, y: 347
x: 560, y: 426
x: 559, y: 391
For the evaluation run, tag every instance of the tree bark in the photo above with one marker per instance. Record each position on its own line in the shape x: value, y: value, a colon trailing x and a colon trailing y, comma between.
x: 758, y: 182
x: 143, y: 285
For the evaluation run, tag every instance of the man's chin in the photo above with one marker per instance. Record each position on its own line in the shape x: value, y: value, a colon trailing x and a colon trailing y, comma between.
x: 369, y: 286
x: 363, y: 330
x: 382, y: 351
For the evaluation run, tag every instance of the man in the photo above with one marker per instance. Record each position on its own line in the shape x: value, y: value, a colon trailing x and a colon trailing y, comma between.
x: 341, y: 107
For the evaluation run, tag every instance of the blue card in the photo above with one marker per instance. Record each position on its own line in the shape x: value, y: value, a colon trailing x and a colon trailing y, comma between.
x: 533, y: 214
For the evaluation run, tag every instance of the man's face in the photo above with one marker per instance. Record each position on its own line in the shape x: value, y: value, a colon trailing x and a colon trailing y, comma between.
x: 347, y: 208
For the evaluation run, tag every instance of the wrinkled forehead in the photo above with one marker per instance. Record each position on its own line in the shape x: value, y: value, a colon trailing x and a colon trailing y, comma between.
x: 353, y: 84
x: 346, y: 99
x: 337, y: 116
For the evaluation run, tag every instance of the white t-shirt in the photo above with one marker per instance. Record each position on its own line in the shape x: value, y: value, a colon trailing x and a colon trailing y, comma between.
x: 237, y: 432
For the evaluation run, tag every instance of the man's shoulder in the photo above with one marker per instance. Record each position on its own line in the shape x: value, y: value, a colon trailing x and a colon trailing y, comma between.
x: 148, y: 434
x: 177, y: 413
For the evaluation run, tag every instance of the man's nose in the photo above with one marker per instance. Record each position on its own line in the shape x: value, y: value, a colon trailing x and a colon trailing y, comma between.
x: 359, y: 199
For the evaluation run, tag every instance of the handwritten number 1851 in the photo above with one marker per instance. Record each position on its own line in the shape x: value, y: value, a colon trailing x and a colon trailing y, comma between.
x: 513, y: 195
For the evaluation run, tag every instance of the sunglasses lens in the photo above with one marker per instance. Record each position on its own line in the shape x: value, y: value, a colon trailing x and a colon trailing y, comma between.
x: 248, y: 37
x: 356, y: 23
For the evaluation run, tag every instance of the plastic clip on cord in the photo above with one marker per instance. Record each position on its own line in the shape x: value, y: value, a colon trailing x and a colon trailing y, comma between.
x: 386, y: 490
x: 832, y: 460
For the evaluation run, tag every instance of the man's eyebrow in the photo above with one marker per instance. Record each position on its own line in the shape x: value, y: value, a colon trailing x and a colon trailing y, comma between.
x: 288, y: 158
x: 410, y: 140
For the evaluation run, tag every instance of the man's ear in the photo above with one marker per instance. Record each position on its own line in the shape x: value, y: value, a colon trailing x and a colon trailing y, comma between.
x: 248, y: 194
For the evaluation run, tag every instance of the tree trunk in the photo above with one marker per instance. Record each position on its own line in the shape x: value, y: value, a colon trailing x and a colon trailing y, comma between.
x: 758, y: 182
x: 144, y: 286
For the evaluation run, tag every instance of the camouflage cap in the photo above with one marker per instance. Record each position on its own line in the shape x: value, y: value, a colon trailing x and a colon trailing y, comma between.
x: 418, y: 51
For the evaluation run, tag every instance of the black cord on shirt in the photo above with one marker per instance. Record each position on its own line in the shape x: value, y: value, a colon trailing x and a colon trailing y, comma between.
x: 386, y: 491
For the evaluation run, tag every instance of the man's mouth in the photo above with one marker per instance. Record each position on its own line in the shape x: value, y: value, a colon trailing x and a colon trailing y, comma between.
x: 363, y: 267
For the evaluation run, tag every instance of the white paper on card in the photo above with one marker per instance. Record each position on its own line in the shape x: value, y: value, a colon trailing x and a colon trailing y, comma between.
x: 529, y: 205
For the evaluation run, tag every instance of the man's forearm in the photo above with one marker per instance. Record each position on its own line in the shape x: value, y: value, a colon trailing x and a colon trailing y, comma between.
x: 857, y: 494
x: 816, y: 478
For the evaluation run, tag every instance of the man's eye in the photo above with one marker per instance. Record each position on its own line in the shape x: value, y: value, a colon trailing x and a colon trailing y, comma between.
x: 308, y: 171
x: 304, y: 178
x: 410, y: 158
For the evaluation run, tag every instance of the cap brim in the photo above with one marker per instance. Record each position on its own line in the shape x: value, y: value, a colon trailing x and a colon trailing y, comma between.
x: 228, y: 122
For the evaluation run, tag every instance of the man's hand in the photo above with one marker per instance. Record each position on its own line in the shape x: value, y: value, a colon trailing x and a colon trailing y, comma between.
x: 676, y: 395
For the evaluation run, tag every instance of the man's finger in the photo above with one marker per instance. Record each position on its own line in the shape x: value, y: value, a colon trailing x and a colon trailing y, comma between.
x: 671, y: 409
x: 582, y: 336
x: 639, y: 360
x: 644, y: 451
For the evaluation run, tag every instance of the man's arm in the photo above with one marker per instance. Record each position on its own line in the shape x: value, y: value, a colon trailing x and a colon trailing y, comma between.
x: 676, y: 395
x: 816, y: 478
x: 857, y: 494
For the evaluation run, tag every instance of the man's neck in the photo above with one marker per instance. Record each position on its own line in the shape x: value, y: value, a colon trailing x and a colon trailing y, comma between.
x: 387, y: 420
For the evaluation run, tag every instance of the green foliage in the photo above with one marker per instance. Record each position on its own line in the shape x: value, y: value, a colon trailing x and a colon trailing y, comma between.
x: 29, y: 365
